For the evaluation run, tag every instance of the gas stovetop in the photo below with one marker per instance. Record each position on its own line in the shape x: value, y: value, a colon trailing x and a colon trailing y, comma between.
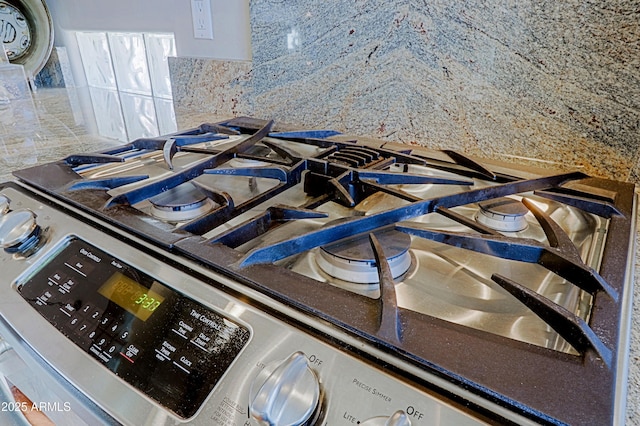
x: 511, y: 283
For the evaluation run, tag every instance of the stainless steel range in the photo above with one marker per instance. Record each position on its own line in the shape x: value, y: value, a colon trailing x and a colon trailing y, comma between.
x: 239, y: 273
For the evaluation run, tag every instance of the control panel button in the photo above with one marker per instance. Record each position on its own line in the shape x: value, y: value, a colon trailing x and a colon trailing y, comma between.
x: 186, y: 361
x: 95, y: 314
x: 84, y: 328
x: 104, y: 321
x: 113, y: 348
x: 116, y: 327
x: 399, y: 418
x: 285, y: 392
x: 131, y: 353
x: 123, y: 336
x: 101, y: 341
x: 86, y: 309
x: 166, y: 351
x: 183, y: 329
x: 73, y: 323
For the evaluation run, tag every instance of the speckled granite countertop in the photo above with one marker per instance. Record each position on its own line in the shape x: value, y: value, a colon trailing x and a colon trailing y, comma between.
x: 53, y: 134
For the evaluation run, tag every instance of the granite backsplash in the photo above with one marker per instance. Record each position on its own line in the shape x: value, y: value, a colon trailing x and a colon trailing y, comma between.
x: 556, y: 81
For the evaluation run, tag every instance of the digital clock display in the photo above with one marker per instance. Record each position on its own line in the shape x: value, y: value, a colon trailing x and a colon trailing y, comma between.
x: 130, y: 295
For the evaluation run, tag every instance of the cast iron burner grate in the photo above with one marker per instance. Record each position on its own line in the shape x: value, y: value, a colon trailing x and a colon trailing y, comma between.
x: 537, y: 382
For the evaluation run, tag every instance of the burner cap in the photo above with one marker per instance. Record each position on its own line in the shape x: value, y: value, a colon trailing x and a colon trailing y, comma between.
x: 353, y: 260
x: 238, y: 163
x: 182, y: 203
x: 502, y: 214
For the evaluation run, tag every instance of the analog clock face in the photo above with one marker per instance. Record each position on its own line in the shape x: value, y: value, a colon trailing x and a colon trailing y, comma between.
x: 15, y: 33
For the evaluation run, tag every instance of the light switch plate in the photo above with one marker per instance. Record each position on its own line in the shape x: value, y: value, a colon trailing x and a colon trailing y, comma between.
x: 202, y: 23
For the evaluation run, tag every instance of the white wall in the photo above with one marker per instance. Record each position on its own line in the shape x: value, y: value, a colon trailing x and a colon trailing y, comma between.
x: 231, y: 29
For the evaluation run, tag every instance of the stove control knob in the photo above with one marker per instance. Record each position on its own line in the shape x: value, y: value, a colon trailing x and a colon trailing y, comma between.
x: 19, y: 232
x: 399, y: 418
x: 285, y: 392
x: 4, y: 205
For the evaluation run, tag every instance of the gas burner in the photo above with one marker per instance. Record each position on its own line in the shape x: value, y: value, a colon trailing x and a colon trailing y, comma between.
x: 353, y: 260
x: 179, y: 204
x: 502, y: 214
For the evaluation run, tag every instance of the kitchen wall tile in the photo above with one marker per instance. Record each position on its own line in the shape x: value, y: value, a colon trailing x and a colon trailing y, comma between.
x: 96, y: 59
x: 166, y: 115
x: 139, y: 116
x: 106, y: 105
x: 159, y: 48
x: 129, y: 71
x: 130, y: 62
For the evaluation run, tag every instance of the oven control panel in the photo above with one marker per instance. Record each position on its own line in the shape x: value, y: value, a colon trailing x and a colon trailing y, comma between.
x: 146, y: 333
